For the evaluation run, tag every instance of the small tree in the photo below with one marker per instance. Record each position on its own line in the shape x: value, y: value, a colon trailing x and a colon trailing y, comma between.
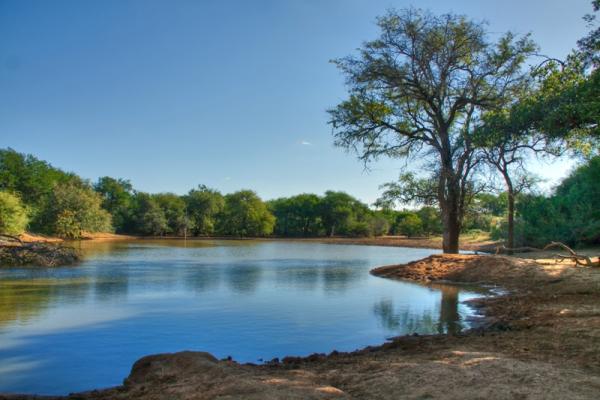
x: 75, y: 208
x: 13, y: 216
x: 505, y: 143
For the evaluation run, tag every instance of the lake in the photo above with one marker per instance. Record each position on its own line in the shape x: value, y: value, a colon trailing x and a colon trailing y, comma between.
x: 78, y: 328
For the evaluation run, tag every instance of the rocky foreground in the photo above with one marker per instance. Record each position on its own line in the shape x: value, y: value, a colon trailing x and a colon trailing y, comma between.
x: 540, y: 341
x: 38, y: 254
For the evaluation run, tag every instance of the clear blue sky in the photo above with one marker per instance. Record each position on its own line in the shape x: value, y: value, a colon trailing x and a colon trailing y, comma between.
x: 231, y: 94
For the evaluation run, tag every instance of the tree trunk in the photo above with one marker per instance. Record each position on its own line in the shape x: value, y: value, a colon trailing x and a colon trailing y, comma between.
x: 451, y: 233
x: 510, y: 240
x: 449, y: 196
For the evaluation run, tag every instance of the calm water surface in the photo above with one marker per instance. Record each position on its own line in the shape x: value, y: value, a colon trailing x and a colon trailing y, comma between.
x: 77, y: 328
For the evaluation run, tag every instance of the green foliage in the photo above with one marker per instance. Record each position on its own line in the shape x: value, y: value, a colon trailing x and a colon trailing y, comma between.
x: 431, y: 220
x: 245, y: 214
x: 117, y: 197
x: 571, y: 215
x: 33, y: 181
x: 149, y: 218
x: 74, y: 208
x: 339, y: 212
x: 578, y: 198
x: 174, y: 210
x: 359, y: 229
x: 297, y: 215
x: 379, y: 225
x: 203, y: 207
x: 409, y: 224
x: 589, y: 46
x: 13, y: 215
x: 418, y: 90
x: 409, y: 189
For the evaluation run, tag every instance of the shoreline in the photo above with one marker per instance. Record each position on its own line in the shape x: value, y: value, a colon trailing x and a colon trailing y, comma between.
x: 433, y: 242
x: 539, y: 340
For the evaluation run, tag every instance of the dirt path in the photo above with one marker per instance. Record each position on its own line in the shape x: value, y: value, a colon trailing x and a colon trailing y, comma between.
x: 541, y: 341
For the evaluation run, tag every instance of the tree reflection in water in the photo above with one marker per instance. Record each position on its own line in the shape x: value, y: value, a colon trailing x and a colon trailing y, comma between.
x: 406, y: 321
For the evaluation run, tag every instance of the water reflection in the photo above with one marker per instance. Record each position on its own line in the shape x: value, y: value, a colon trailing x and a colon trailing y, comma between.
x: 243, y: 278
x: 201, y: 278
x: 22, y: 300
x: 247, y: 299
x: 449, y: 315
x: 112, y: 289
x: 407, y: 321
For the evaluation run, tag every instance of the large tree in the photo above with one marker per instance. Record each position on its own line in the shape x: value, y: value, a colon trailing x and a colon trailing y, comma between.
x: 419, y: 89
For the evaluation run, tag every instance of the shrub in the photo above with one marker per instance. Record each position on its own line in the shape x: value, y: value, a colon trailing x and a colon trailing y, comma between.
x: 13, y: 216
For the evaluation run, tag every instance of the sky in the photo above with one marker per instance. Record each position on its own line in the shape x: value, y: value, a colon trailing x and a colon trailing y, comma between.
x: 228, y: 93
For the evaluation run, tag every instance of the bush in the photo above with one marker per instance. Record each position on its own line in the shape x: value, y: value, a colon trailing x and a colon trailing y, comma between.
x: 75, y: 208
x: 13, y: 216
x: 359, y: 229
x: 379, y: 226
x: 410, y: 225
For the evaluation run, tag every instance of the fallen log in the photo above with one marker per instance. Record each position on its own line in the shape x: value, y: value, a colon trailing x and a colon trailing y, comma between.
x: 579, y: 259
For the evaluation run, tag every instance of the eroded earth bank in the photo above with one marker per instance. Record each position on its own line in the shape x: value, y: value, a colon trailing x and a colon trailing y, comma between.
x: 541, y: 340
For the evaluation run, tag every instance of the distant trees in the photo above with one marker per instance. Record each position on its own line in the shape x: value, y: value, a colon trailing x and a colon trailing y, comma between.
x: 419, y: 89
x: 13, y: 215
x: 117, y: 198
x: 245, y: 214
x: 297, y: 215
x: 148, y: 217
x: 203, y: 207
x: 74, y: 208
x: 58, y: 203
x: 174, y: 210
x: 341, y: 213
x: 410, y: 224
x: 33, y: 181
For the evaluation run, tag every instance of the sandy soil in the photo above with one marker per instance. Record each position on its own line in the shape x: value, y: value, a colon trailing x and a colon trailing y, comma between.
x: 98, y: 236
x: 540, y: 341
x: 31, y: 238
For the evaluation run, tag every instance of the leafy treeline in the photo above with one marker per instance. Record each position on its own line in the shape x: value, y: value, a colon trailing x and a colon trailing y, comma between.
x: 41, y: 198
x: 66, y: 205
x: 571, y: 214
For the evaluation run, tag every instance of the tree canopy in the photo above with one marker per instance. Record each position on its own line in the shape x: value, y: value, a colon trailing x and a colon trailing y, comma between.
x: 419, y: 88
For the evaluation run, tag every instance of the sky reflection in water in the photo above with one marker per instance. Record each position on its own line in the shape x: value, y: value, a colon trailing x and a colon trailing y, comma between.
x: 78, y: 328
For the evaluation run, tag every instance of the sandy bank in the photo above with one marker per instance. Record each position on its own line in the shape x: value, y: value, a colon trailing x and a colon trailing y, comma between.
x: 97, y: 236
x: 542, y: 341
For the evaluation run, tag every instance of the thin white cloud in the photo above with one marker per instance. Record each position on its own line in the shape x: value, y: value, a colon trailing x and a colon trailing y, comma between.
x: 305, y: 143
